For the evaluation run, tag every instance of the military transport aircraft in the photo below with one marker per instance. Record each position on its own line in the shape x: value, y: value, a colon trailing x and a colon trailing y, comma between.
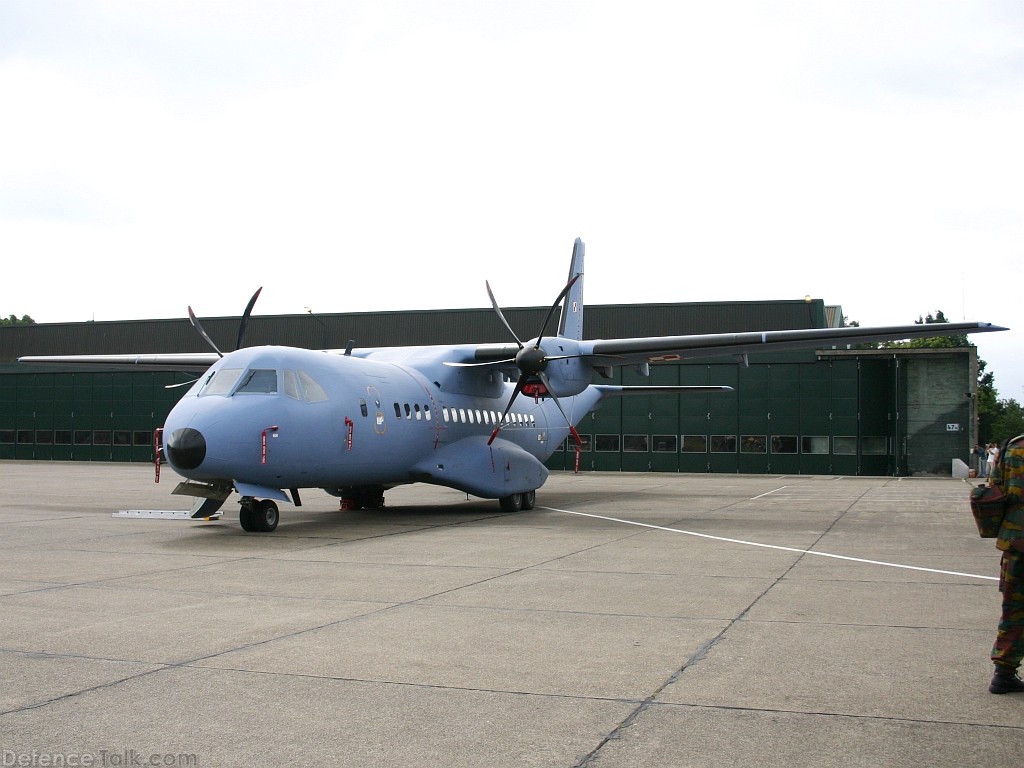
x: 482, y: 418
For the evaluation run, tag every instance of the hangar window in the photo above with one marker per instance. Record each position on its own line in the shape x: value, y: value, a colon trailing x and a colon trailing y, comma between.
x: 695, y: 443
x: 24, y: 437
x: 606, y: 443
x: 784, y: 444
x: 141, y: 438
x: 874, y: 446
x: 7, y: 437
x: 723, y: 443
x: 844, y: 446
x: 122, y: 437
x: 44, y: 437
x: 753, y: 444
x: 814, y: 444
x: 666, y: 444
x: 83, y: 437
x: 569, y: 444
x: 63, y: 437
x: 101, y: 437
x: 635, y: 443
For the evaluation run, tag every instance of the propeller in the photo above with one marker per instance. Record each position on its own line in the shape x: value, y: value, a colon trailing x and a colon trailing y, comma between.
x: 532, y: 362
x: 241, y: 325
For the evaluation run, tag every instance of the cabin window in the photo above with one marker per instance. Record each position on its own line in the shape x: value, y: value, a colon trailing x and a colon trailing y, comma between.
x: 444, y: 413
x: 419, y: 413
x: 426, y: 412
x: 408, y: 411
x: 398, y: 411
x: 462, y: 415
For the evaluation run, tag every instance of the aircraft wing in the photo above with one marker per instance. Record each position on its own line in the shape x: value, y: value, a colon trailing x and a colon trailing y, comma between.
x: 184, y: 361
x: 656, y: 349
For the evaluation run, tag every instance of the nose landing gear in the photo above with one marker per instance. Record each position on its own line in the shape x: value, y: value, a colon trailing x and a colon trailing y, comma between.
x: 258, y: 515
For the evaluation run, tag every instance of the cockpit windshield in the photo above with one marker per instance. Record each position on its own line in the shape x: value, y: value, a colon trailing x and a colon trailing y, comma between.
x: 259, y: 381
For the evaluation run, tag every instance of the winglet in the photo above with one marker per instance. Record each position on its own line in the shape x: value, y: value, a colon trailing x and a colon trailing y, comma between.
x: 570, y: 325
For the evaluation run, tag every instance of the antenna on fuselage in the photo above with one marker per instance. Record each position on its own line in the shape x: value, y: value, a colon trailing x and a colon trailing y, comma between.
x: 349, y: 348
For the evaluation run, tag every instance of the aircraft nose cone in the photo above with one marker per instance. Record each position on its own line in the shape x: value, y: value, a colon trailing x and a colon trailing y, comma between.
x: 186, y: 448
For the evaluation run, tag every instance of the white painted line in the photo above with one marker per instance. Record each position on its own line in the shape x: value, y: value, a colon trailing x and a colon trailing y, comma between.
x: 774, y: 546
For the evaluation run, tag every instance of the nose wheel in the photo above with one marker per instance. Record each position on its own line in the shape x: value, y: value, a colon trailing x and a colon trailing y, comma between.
x: 258, y: 515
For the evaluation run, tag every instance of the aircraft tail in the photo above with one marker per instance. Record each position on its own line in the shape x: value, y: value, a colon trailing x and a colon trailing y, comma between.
x: 570, y: 325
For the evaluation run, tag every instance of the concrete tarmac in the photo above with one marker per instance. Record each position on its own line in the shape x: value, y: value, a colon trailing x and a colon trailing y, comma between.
x: 629, y: 620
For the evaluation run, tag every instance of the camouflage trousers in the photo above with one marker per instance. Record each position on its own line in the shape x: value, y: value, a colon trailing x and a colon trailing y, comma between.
x: 1009, y: 646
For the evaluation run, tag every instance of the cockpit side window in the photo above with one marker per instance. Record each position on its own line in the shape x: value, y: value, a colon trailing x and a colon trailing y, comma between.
x: 291, y: 385
x: 301, y: 386
x: 259, y: 381
x: 311, y: 391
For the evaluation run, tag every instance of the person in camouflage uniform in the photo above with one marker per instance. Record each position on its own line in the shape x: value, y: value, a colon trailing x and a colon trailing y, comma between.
x: 1008, y: 651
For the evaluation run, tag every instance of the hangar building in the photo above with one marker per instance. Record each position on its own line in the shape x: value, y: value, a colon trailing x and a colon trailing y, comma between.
x: 827, y: 411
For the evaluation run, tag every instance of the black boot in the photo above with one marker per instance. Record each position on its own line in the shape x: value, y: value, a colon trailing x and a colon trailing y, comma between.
x: 1005, y: 680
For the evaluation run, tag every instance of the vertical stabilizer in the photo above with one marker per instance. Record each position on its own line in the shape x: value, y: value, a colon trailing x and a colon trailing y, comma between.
x: 570, y: 325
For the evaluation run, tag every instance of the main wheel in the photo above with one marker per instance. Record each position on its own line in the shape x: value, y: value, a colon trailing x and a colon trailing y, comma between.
x: 529, y: 500
x: 265, y: 515
x: 247, y: 516
x: 512, y: 503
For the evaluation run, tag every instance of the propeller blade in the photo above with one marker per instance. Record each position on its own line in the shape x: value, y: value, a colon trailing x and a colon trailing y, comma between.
x: 501, y: 317
x: 245, y: 317
x: 202, y: 331
x: 519, y: 388
x: 568, y: 287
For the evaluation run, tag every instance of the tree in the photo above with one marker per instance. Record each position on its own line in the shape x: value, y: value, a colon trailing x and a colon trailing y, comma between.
x: 1008, y: 421
x: 13, y: 320
x: 935, y: 342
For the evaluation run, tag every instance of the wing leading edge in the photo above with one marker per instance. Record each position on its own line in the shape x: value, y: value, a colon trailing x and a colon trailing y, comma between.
x: 653, y: 349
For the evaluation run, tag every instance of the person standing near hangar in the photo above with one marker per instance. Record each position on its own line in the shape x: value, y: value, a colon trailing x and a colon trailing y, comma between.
x: 1008, y: 650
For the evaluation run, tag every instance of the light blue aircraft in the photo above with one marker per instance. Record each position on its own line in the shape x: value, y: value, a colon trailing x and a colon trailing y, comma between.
x: 267, y: 421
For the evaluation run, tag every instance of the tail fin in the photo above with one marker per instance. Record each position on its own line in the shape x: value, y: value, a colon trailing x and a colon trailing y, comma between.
x: 570, y: 325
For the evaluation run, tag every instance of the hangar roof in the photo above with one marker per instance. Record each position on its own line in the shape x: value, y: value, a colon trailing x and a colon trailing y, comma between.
x: 371, y: 329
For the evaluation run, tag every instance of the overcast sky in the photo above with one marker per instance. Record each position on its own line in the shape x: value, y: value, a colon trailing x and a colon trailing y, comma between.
x: 394, y: 154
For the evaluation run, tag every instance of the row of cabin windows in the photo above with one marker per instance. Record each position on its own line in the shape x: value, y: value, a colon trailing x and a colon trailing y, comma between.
x: 456, y: 415
x: 775, y: 444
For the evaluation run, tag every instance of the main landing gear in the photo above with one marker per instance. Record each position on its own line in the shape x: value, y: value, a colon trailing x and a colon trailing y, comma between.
x: 258, y: 515
x: 518, y: 501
